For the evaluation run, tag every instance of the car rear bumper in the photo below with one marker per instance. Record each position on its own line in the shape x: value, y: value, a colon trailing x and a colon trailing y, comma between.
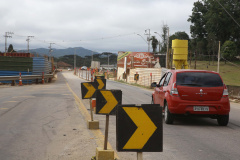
x: 178, y: 106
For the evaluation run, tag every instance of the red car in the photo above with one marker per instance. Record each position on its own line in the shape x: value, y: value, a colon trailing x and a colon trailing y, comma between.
x: 192, y: 92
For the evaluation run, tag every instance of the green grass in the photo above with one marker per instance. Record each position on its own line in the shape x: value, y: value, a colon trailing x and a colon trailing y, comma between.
x: 230, y: 73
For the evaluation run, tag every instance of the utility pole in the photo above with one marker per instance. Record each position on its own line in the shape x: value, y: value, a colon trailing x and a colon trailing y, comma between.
x: 74, y: 58
x: 107, y: 53
x: 28, y: 39
x: 167, y: 50
x: 7, y: 35
x: 50, y: 49
x: 50, y: 55
x: 147, y: 32
x: 159, y: 42
x: 92, y: 55
x: 218, y: 56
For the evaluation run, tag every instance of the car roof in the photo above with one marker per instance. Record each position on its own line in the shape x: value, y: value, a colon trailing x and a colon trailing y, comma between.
x: 191, y: 70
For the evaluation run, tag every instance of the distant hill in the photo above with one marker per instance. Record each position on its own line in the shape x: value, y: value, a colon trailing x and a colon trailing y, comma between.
x: 61, y: 52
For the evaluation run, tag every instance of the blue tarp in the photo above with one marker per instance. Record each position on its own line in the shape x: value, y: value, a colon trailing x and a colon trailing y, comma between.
x: 15, y: 73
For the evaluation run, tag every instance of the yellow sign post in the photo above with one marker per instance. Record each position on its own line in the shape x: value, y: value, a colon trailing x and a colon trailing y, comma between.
x: 106, y: 102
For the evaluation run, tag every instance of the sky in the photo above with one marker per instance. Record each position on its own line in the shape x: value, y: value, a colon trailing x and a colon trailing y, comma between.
x: 97, y: 25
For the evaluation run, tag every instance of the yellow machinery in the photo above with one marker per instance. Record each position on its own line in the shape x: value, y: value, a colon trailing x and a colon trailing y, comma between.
x: 180, y: 53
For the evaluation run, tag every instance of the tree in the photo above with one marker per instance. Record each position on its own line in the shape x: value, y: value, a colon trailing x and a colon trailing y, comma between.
x: 10, y: 49
x: 86, y: 61
x: 229, y: 50
x: 113, y: 59
x: 178, y: 35
x: 218, y: 21
x: 154, y: 43
x: 164, y: 38
x: 197, y: 28
x: 211, y: 21
x: 212, y: 45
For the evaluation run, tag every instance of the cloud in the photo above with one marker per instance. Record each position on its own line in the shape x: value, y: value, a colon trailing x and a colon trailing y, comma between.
x: 88, y: 24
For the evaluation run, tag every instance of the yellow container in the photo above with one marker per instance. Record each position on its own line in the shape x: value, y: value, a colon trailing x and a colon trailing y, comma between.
x: 180, y: 53
x: 177, y: 43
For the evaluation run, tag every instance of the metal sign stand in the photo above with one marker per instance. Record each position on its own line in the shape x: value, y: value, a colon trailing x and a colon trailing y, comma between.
x: 106, y: 132
x: 139, y: 155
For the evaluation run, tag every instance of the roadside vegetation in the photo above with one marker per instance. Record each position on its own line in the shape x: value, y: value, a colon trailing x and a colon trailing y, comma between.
x: 230, y: 72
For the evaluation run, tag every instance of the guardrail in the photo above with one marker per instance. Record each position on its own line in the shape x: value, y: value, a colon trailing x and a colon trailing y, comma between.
x: 24, y: 77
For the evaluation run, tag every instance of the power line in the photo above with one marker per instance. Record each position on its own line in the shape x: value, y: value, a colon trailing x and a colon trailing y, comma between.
x: 230, y: 62
x: 102, y: 38
x: 228, y: 13
x: 65, y: 41
x: 7, y: 35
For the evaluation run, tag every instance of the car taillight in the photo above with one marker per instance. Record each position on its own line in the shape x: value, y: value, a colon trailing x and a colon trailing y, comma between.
x: 225, y: 91
x: 174, y: 91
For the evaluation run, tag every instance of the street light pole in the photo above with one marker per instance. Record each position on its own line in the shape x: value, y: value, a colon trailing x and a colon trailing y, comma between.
x: 142, y: 38
x: 148, y: 38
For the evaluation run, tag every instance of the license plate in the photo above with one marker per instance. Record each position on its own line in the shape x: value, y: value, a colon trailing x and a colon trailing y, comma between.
x: 200, y: 108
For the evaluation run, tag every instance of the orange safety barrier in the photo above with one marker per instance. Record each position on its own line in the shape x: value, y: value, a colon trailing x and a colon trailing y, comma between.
x: 20, y: 79
x: 42, y: 77
x: 94, y: 104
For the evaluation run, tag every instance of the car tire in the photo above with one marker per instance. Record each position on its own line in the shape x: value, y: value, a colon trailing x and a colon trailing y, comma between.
x: 223, y: 120
x: 152, y: 102
x: 168, y: 117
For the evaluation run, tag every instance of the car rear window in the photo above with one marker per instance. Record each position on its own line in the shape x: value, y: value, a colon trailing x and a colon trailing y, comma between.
x: 199, y: 79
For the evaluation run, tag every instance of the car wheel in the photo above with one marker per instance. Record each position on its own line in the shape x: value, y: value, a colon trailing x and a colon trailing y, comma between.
x: 223, y: 120
x: 152, y: 102
x: 168, y: 117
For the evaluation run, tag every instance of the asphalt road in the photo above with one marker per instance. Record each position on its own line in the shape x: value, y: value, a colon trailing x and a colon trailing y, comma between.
x: 43, y: 122
x: 49, y: 122
x: 188, y: 138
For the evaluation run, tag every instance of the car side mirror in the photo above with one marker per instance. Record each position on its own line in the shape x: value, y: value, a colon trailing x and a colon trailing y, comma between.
x: 154, y: 84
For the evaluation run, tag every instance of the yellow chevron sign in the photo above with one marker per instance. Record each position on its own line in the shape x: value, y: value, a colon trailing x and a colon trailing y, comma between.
x: 88, y: 89
x: 136, y: 77
x: 101, y: 83
x: 145, y: 128
x: 139, y: 128
x: 111, y: 102
x: 107, y: 100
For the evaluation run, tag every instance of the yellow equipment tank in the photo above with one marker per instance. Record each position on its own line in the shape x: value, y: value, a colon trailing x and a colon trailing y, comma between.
x: 180, y: 53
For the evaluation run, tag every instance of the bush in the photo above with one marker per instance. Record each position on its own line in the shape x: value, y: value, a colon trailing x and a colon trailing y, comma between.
x: 229, y: 50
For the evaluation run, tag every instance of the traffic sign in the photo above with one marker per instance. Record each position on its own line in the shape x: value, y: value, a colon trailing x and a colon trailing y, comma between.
x: 136, y: 77
x: 88, y: 90
x: 101, y: 83
x: 139, y: 128
x: 107, y: 100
